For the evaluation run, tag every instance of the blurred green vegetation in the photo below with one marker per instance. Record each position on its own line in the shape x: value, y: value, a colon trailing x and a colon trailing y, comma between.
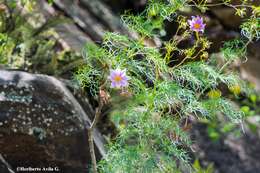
x: 31, y: 46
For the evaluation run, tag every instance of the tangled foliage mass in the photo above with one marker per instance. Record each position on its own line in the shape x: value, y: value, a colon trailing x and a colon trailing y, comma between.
x: 161, y: 91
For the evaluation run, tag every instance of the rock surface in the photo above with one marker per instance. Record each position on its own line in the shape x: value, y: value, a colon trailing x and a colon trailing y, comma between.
x: 4, y: 166
x: 42, y: 124
x: 226, y: 15
x: 250, y: 70
x: 229, y: 154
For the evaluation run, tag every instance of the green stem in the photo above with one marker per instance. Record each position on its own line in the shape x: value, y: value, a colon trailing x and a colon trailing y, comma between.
x: 197, y: 35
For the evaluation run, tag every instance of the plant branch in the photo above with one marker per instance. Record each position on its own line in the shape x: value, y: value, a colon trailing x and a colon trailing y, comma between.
x: 90, y: 133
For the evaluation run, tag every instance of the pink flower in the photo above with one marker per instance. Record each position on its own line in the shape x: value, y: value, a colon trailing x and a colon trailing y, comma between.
x: 118, y: 78
x: 196, y: 24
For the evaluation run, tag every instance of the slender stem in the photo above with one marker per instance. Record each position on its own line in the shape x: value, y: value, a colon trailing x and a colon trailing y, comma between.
x: 92, y: 150
x: 197, y: 35
x: 97, y: 115
x: 184, y: 59
x: 90, y: 135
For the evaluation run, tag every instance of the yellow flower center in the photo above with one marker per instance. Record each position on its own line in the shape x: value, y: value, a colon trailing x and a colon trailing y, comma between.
x: 197, y: 26
x: 117, y: 78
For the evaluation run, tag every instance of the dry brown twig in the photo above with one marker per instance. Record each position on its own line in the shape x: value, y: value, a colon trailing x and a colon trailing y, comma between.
x: 102, y: 100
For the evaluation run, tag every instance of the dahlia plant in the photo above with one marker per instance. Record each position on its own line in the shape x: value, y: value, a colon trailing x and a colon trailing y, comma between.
x: 162, y: 86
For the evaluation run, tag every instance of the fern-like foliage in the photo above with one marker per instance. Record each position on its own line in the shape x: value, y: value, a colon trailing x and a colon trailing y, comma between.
x: 163, y: 92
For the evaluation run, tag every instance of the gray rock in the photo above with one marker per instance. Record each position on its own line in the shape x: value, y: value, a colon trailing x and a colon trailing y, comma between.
x: 230, y: 153
x: 251, y: 71
x: 42, y: 124
x: 227, y: 17
x: 4, y: 166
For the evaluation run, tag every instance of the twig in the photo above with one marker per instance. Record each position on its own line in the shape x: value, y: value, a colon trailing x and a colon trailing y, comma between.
x: 91, y: 129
